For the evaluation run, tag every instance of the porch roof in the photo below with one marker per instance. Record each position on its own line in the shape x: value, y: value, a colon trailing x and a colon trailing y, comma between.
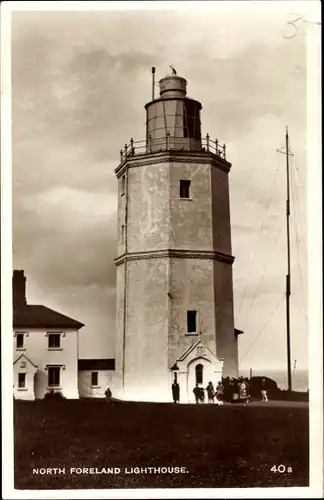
x: 26, y: 358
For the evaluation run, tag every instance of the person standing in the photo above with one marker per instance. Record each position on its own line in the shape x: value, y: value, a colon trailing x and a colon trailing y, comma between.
x: 226, y: 384
x: 176, y: 391
x: 220, y: 393
x: 251, y: 389
x: 264, y: 390
x: 202, y: 395
x: 108, y: 394
x: 248, y: 391
x: 243, y: 391
x: 230, y: 390
x: 210, y: 393
x: 235, y: 389
x: 196, y: 392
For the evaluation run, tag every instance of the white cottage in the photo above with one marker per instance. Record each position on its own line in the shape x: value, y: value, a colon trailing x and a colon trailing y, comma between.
x: 45, y: 348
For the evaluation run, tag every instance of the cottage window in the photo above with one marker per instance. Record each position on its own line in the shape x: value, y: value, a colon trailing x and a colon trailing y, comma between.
x: 191, y: 321
x: 19, y: 341
x: 21, y: 380
x: 94, y: 379
x: 54, y: 341
x: 54, y: 376
x: 185, y: 188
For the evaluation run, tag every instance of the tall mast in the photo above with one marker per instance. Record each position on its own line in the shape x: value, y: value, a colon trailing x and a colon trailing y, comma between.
x: 288, y: 265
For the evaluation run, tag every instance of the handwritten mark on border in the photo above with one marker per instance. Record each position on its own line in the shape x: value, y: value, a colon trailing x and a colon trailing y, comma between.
x: 293, y: 26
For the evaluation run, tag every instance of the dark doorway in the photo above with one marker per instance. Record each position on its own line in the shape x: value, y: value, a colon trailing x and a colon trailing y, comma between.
x: 199, y: 374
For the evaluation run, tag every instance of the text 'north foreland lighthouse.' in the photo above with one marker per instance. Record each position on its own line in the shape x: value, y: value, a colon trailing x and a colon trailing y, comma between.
x: 175, y: 314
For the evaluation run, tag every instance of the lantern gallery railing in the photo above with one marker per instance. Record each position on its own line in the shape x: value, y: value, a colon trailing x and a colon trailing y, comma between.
x: 170, y: 143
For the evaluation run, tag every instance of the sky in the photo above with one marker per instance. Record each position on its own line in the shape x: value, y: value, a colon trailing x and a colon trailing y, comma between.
x: 80, y: 81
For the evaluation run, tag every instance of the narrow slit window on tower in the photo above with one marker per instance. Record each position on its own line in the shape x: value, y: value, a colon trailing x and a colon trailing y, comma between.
x: 191, y: 321
x: 122, y: 185
x: 185, y: 188
x: 122, y: 235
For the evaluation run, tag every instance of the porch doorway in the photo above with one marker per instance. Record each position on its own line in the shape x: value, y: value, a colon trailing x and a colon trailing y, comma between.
x: 200, y: 371
x: 199, y: 374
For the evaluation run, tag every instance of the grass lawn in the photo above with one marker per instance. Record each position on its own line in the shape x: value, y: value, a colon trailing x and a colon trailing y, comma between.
x: 230, y: 446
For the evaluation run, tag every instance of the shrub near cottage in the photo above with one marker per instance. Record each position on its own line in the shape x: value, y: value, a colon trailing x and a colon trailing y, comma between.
x: 54, y: 395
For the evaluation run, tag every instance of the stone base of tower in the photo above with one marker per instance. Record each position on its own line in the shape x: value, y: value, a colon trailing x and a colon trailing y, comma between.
x: 160, y: 392
x: 154, y: 396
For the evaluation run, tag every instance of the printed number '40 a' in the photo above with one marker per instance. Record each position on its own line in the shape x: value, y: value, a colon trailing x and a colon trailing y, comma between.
x: 281, y: 469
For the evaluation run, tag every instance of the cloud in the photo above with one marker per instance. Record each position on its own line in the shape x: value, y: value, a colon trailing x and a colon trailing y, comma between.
x: 73, y: 235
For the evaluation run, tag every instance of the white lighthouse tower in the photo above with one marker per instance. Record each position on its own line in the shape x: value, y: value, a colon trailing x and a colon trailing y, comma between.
x: 174, y: 261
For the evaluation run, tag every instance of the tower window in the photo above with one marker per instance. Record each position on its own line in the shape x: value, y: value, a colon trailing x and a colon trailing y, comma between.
x: 19, y: 341
x: 185, y: 188
x: 122, y: 185
x: 199, y: 374
x: 94, y: 379
x: 191, y: 321
x: 122, y: 233
x: 21, y: 380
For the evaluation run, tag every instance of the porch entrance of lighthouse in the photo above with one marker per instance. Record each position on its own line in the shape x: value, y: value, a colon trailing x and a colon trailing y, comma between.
x: 198, y: 365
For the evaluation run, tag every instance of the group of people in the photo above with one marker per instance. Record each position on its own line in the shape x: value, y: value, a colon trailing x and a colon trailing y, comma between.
x: 213, y: 395
x: 237, y: 389
x: 200, y: 393
x: 240, y: 389
x: 228, y: 389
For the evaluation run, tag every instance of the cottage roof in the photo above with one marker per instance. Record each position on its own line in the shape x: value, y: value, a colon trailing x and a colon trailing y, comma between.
x: 36, y: 316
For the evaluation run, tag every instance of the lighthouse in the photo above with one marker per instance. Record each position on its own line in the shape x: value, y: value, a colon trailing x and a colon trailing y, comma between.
x: 174, y: 306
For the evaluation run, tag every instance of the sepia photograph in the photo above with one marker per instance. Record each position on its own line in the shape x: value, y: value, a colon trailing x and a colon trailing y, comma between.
x: 161, y: 249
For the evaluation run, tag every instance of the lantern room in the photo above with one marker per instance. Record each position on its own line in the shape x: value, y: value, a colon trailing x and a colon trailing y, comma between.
x: 173, y: 120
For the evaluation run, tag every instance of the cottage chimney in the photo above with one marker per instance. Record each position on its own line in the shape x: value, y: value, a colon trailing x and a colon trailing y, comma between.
x: 19, y: 289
